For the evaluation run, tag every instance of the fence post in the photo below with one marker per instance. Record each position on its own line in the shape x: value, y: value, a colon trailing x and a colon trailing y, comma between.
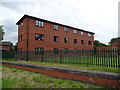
x: 26, y: 55
x: 87, y: 55
x: 60, y: 56
x: 41, y: 57
x: 118, y: 59
x: 16, y: 55
x: 7, y: 55
x: 95, y: 50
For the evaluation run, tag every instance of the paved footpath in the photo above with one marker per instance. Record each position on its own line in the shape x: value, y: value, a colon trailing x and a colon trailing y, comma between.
x: 94, y: 77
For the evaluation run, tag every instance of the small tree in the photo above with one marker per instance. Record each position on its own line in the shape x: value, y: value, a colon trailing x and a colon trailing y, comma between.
x: 11, y: 45
x: 1, y: 32
x: 98, y: 43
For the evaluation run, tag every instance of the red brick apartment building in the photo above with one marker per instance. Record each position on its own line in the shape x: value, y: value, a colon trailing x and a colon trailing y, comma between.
x: 36, y: 34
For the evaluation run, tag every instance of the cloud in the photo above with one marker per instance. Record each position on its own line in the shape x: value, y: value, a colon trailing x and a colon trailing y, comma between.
x: 10, y: 5
x: 10, y: 29
x: 100, y: 16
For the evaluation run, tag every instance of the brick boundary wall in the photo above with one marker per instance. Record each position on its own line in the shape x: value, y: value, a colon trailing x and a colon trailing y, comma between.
x: 93, y: 75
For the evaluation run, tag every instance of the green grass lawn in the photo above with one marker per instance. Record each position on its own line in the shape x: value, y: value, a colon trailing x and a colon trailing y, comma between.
x: 68, y: 65
x: 16, y: 78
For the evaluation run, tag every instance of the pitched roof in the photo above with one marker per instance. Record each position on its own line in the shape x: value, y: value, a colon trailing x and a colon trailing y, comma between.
x: 25, y: 16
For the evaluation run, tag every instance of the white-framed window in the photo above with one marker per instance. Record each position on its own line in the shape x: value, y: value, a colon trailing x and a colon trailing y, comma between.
x: 89, y: 34
x: 75, y: 31
x: 75, y: 51
x: 21, y: 24
x: 66, y: 50
x: 55, y: 27
x: 39, y: 50
x: 39, y: 23
x: 82, y: 41
x: 75, y: 40
x: 56, y: 39
x: 56, y: 50
x: 66, y: 40
x: 65, y: 29
x: 39, y: 36
x: 82, y: 33
x: 89, y: 42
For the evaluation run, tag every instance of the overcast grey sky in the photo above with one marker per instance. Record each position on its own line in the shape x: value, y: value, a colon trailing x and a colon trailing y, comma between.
x: 98, y: 16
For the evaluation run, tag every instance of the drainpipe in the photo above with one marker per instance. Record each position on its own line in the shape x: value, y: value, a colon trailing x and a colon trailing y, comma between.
x: 27, y: 39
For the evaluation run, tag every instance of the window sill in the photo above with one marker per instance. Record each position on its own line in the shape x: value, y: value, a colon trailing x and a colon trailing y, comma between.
x: 40, y: 26
x: 56, y: 29
x: 39, y: 40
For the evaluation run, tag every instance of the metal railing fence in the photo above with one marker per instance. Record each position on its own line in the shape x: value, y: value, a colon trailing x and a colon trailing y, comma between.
x: 101, y: 57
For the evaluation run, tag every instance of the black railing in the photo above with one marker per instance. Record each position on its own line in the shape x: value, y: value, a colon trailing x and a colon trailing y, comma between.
x: 101, y: 57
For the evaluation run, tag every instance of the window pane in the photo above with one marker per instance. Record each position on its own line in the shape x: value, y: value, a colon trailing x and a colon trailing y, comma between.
x: 42, y: 24
x: 82, y: 33
x: 42, y: 37
x: 36, y: 50
x: 56, y: 27
x: 39, y: 50
x: 89, y: 42
x: 55, y: 38
x: 65, y: 29
x: 75, y: 40
x: 21, y: 24
x: 83, y: 51
x: 37, y: 23
x: 89, y: 34
x: 82, y: 41
x: 75, y: 51
x: 39, y: 37
x: 66, y: 50
x: 56, y: 50
x: 75, y: 31
x: 66, y: 40
x: 36, y: 36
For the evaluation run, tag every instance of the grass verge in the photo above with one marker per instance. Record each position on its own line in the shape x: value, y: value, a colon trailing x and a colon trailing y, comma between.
x: 72, y: 66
